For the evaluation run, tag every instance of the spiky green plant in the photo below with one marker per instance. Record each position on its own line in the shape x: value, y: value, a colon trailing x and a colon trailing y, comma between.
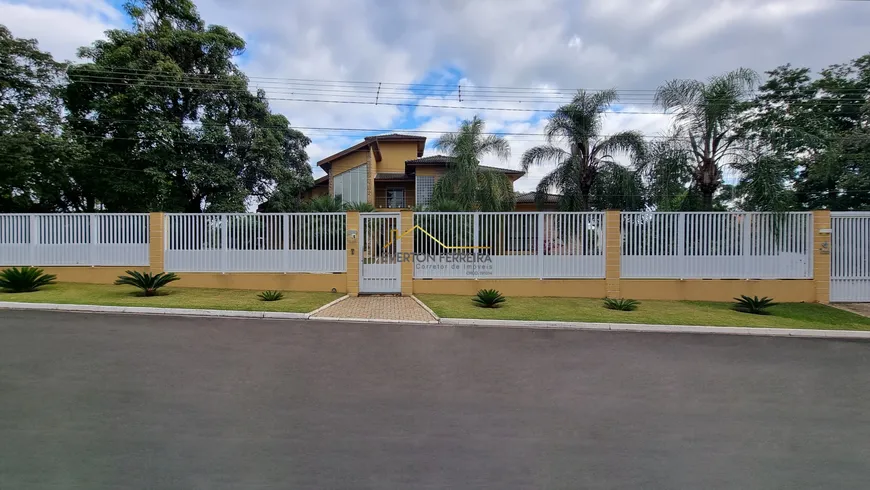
x: 488, y: 298
x: 753, y: 305
x: 621, y: 304
x: 362, y: 207
x: 148, y: 283
x: 270, y: 295
x: 25, y: 279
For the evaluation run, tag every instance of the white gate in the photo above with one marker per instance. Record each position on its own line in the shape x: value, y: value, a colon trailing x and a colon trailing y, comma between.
x: 850, y: 257
x: 380, y: 269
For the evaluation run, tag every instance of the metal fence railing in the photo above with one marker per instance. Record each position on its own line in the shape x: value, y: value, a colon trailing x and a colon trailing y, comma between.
x: 509, y: 245
x: 850, y: 256
x: 716, y: 245
x: 297, y: 242
x: 74, y: 239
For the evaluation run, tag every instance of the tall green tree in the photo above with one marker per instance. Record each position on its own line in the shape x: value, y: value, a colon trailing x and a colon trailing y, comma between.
x: 577, y: 127
x: 465, y: 182
x: 707, y: 112
x: 168, y: 121
x: 667, y: 172
x: 33, y: 150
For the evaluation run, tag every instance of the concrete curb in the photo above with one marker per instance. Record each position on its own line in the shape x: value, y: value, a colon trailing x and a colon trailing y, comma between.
x: 371, y: 320
x: 625, y: 327
x: 429, y: 310
x: 540, y: 325
x: 143, y: 310
x: 327, y: 305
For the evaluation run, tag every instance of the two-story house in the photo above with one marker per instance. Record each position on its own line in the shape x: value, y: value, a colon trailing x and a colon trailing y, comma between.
x: 389, y: 172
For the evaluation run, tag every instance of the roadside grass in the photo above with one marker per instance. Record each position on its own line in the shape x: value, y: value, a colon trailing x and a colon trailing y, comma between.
x: 172, y: 297
x: 786, y: 315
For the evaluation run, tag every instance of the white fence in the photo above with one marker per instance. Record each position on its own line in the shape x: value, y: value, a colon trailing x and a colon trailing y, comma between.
x: 74, y: 239
x: 509, y: 245
x: 717, y: 245
x: 850, y: 256
x: 303, y: 242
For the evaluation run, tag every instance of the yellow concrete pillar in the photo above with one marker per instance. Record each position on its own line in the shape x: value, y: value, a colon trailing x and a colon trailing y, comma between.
x: 354, y: 238
x: 156, y: 242
x: 822, y: 255
x: 407, y: 252
x: 612, y: 253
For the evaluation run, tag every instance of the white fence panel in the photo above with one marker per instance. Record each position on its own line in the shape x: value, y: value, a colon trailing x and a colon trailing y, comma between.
x: 74, y: 239
x: 299, y: 242
x: 850, y: 257
x: 509, y: 245
x: 716, y: 245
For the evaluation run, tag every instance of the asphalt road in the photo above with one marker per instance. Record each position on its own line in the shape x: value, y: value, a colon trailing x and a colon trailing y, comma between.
x: 125, y: 402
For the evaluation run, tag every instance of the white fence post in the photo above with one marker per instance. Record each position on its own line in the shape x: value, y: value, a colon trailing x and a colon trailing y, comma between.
x: 92, y: 242
x: 285, y: 241
x: 224, y: 229
x: 34, y: 238
x: 540, y: 245
x: 746, y: 251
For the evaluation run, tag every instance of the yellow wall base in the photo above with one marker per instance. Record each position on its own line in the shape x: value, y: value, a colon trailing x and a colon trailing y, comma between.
x: 798, y: 291
x: 264, y: 281
x: 783, y: 291
x: 88, y: 275
x: 573, y: 288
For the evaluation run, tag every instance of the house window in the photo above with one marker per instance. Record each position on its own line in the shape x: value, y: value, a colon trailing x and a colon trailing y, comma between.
x: 395, y: 197
x: 351, y: 186
x: 425, y: 187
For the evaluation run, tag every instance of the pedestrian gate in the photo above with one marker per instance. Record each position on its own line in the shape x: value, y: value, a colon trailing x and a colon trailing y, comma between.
x: 850, y: 257
x: 380, y: 269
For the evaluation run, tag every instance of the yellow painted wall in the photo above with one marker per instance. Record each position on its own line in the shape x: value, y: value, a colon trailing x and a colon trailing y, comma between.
x: 427, y: 170
x: 263, y: 281
x: 353, y: 251
x: 822, y: 256
x: 88, y: 275
x: 574, y: 288
x: 783, y: 291
x: 394, y: 154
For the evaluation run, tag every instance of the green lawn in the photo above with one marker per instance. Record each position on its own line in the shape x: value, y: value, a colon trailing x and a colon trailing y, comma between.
x: 792, y: 315
x: 170, y: 297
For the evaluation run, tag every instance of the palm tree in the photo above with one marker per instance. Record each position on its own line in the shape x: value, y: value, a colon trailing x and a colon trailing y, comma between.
x: 577, y: 125
x: 668, y: 172
x: 707, y: 112
x: 465, y: 182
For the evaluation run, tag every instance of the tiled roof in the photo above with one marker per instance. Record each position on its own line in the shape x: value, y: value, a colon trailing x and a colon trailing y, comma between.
x: 322, y: 180
x: 529, y: 198
x: 392, y: 176
x: 396, y: 136
x: 445, y: 159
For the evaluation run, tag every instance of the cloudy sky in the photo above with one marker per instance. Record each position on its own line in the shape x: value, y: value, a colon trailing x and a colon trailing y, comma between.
x: 534, y: 51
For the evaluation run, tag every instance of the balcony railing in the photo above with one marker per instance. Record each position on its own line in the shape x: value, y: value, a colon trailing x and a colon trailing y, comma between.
x: 391, y: 202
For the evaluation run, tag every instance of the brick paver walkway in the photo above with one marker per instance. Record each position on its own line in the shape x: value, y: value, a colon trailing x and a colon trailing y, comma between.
x: 859, y: 308
x: 378, y: 308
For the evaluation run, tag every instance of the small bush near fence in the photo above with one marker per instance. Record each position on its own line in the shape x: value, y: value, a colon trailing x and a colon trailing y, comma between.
x: 271, y: 295
x: 488, y: 298
x: 148, y: 283
x: 753, y: 305
x: 25, y: 279
x: 620, y: 304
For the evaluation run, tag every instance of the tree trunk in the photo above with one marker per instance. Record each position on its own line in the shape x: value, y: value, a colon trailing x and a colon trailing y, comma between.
x: 707, y: 201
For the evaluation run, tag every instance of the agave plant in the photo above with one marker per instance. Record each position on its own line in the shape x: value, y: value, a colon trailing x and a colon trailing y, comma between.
x: 270, y: 295
x: 621, y: 304
x: 148, y: 283
x: 488, y: 298
x: 25, y: 279
x: 753, y: 305
x: 362, y: 207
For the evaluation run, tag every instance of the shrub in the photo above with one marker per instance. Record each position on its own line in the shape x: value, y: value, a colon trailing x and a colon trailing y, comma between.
x: 362, y: 207
x: 25, y: 279
x: 621, y: 304
x: 148, y: 283
x: 753, y: 305
x: 488, y: 298
x: 270, y: 295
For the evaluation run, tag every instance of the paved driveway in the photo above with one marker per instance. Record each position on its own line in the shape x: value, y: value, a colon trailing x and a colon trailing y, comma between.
x: 111, y: 402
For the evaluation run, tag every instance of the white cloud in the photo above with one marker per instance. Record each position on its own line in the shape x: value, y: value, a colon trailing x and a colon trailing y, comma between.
x: 61, y: 26
x: 547, y: 44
